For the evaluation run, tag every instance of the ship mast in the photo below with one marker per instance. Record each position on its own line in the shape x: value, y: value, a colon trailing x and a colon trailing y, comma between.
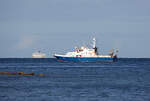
x: 94, y: 42
x: 94, y: 46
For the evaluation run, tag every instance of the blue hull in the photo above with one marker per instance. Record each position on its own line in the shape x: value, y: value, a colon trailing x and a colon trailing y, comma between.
x: 87, y: 59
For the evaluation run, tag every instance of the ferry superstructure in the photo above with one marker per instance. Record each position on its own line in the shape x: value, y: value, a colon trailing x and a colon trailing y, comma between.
x: 87, y: 54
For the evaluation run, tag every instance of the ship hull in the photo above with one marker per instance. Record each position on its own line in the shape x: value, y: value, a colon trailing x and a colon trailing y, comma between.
x: 87, y: 59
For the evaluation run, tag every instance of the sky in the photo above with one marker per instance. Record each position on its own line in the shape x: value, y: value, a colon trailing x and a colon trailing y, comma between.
x: 57, y: 26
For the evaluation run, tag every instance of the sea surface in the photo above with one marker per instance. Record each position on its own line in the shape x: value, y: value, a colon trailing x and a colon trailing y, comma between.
x: 125, y: 80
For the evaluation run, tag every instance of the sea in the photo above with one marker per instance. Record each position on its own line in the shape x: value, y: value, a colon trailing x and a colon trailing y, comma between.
x: 125, y: 80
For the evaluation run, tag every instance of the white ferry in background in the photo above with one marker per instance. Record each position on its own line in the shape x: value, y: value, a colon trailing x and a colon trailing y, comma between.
x: 87, y: 54
x: 38, y: 54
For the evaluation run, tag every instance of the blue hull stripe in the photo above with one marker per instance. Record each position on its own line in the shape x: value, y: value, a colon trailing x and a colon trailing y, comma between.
x: 111, y: 59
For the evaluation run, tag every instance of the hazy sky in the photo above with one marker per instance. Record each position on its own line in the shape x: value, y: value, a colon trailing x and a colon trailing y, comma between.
x: 57, y: 26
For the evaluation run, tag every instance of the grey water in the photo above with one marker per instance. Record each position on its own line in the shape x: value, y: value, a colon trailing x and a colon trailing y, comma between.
x: 125, y: 80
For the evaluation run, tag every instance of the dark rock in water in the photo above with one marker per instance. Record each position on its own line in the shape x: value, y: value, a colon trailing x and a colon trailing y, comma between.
x: 15, y: 73
x: 8, y: 73
x: 22, y: 73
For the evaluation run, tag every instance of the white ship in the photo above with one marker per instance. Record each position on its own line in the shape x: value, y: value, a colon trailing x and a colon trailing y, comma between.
x: 38, y: 54
x: 87, y: 54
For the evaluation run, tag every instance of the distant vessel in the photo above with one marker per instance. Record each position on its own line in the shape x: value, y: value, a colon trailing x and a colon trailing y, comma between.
x: 38, y: 54
x: 87, y: 54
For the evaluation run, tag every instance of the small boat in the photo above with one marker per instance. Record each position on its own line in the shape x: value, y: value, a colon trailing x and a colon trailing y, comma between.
x: 38, y: 54
x: 87, y: 54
